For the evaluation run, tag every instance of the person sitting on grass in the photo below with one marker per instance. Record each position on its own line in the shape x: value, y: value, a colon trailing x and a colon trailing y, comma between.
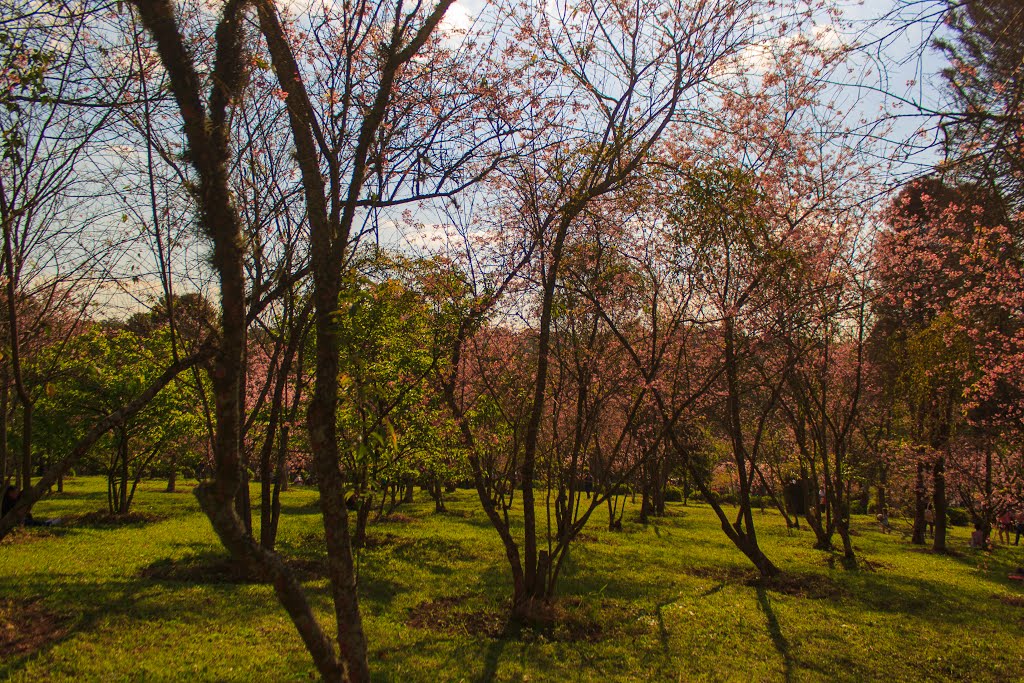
x: 978, y: 539
x: 12, y: 495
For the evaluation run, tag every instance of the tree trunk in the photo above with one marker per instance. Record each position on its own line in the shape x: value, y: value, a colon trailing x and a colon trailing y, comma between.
x: 437, y: 493
x: 939, y: 503
x: 362, y: 519
x: 122, y: 501
x: 882, y: 483
x: 172, y: 477
x: 280, y: 484
x: 645, y: 501
x: 4, y: 459
x: 243, y: 501
x: 920, y: 505
x: 26, y: 444
x: 849, y: 557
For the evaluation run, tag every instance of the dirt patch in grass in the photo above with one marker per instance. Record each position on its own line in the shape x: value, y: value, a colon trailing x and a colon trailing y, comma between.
x: 207, y: 569
x: 397, y: 518
x: 570, y: 620
x: 835, y: 560
x: 19, y: 535
x: 461, y: 514
x: 873, y: 565
x: 928, y: 550
x: 383, y: 540
x: 726, y: 574
x: 1011, y: 600
x: 812, y: 586
x: 448, y: 615
x: 27, y: 627
x: 104, y: 519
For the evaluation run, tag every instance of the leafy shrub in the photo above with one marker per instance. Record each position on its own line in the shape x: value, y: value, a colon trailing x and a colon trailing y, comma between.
x: 957, y: 517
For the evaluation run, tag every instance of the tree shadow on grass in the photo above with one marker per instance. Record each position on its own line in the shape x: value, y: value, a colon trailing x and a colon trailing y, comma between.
x: 775, y: 632
x: 439, y: 556
x: 72, y: 524
x: 378, y: 592
x: 491, y: 660
x: 310, y: 508
x: 992, y: 566
x: 104, y: 519
x: 213, y: 567
x: 81, y: 605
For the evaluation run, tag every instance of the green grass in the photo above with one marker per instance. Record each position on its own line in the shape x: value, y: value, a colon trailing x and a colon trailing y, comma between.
x: 663, y: 602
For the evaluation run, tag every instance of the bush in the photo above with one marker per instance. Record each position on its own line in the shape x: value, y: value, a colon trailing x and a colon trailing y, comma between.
x: 673, y: 494
x: 623, y: 490
x: 726, y: 498
x: 762, y: 501
x: 957, y: 517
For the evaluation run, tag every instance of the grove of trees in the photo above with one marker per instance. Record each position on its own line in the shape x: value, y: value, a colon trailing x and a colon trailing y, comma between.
x: 576, y: 256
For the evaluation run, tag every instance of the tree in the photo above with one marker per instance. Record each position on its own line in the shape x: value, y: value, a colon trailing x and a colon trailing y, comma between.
x: 100, y: 370
x: 950, y: 278
x: 615, y: 78
x: 350, y: 148
x: 50, y: 251
x: 984, y: 120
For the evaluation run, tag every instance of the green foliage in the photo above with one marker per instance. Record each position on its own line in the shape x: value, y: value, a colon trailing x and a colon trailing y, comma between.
x: 101, y: 370
x: 397, y: 429
x: 22, y: 75
x: 958, y: 516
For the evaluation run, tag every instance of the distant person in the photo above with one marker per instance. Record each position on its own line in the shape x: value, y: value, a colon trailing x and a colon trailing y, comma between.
x: 1018, y: 525
x: 978, y: 537
x: 588, y: 485
x: 883, y: 520
x: 1005, y: 524
x: 929, y: 520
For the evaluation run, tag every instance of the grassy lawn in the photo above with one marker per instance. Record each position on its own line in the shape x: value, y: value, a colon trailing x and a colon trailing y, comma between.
x: 672, y: 600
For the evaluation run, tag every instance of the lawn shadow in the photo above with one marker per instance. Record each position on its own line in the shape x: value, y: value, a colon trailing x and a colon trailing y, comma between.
x: 714, y: 589
x: 775, y: 631
x: 216, y: 566
x: 491, y: 659
x: 310, y: 508
x: 434, y: 554
x: 915, y: 597
x: 83, y: 605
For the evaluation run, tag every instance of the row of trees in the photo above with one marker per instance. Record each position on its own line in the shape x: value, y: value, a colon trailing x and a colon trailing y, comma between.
x: 650, y: 251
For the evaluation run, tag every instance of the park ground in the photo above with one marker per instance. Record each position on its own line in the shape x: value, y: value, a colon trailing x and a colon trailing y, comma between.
x: 153, y: 599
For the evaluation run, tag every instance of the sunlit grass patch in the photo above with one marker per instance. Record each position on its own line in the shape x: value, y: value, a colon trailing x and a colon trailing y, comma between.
x: 665, y: 601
